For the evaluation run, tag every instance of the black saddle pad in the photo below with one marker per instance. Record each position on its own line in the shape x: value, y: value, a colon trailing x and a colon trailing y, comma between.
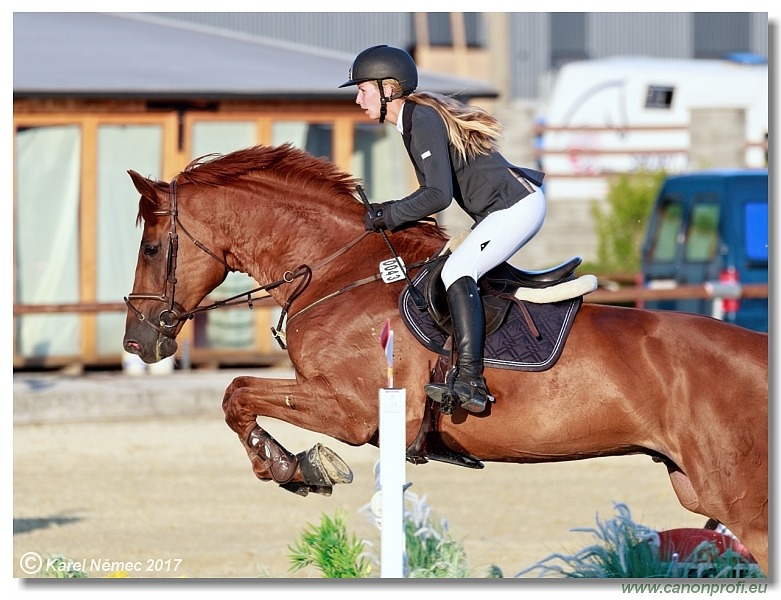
x: 513, y: 345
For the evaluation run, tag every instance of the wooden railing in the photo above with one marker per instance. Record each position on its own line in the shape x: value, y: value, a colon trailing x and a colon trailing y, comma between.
x: 681, y: 292
x: 215, y: 356
x: 264, y: 352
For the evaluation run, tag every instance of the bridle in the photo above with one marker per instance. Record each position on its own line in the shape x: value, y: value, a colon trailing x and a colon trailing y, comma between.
x: 170, y: 317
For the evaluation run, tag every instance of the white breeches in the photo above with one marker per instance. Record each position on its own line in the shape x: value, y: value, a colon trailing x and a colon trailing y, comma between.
x: 496, y: 238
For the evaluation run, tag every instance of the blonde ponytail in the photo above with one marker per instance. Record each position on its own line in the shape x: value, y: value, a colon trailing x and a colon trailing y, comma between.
x: 471, y: 130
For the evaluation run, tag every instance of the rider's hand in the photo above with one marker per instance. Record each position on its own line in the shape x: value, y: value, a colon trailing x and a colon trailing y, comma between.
x: 374, y: 220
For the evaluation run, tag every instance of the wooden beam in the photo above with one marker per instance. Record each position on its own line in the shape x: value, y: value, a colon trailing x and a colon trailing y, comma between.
x: 343, y: 140
x: 88, y: 235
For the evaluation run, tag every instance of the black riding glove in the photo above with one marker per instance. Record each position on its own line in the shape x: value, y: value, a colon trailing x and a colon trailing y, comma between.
x: 375, y: 218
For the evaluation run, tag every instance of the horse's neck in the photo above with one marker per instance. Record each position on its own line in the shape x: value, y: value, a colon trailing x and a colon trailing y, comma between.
x: 276, y: 235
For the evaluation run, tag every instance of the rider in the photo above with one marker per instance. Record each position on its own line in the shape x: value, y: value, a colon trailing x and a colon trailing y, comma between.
x: 453, y: 148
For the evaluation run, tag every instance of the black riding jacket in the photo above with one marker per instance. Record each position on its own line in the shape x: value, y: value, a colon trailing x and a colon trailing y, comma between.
x: 480, y: 185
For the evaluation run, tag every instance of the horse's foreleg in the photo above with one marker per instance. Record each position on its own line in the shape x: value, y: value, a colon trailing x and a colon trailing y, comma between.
x: 310, y: 405
x: 315, y: 470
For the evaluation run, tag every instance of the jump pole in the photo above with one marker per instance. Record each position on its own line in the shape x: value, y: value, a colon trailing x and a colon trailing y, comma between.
x: 392, y: 467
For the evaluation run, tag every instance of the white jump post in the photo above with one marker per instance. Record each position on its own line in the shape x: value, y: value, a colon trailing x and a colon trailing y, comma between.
x: 392, y: 467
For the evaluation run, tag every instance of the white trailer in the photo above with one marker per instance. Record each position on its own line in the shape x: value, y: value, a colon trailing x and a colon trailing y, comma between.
x: 624, y: 114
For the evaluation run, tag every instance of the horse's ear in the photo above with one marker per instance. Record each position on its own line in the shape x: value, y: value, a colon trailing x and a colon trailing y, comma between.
x: 149, y: 198
x: 145, y: 187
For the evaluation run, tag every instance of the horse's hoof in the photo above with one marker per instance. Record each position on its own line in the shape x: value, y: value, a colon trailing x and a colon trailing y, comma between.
x: 321, y: 466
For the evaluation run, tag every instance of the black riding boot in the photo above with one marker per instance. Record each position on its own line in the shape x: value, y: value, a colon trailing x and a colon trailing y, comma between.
x: 466, y: 312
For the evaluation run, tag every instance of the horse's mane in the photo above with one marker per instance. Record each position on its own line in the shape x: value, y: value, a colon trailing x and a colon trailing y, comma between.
x: 287, y: 162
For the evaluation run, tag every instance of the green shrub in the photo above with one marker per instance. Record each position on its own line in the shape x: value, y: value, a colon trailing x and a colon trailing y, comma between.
x: 430, y: 552
x: 329, y: 548
x: 621, y: 224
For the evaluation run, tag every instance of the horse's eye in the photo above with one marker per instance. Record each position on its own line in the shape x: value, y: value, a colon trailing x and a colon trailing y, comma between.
x: 151, y: 250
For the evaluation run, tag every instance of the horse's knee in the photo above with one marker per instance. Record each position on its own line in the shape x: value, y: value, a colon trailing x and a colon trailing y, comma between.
x: 237, y: 384
x: 232, y: 408
x: 227, y: 399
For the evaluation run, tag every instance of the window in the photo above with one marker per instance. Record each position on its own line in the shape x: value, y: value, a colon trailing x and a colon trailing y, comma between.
x: 380, y: 161
x: 440, y: 29
x: 659, y: 96
x: 222, y: 137
x: 46, y: 235
x: 138, y: 147
x: 315, y: 138
x: 755, y: 217
x: 567, y: 38
x: 665, y: 239
x: 702, y: 237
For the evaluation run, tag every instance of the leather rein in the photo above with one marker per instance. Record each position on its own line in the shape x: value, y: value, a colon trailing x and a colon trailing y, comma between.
x: 174, y: 313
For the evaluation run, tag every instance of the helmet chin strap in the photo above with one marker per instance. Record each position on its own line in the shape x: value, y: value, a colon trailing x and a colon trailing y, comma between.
x: 383, y: 102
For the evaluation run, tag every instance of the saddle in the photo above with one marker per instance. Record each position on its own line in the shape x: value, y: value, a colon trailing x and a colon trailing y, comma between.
x: 498, y: 288
x: 528, y: 315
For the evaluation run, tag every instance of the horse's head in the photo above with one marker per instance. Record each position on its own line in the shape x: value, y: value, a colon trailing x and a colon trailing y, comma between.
x: 171, y: 277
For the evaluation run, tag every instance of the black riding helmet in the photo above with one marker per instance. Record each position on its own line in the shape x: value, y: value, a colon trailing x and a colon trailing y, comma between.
x: 384, y: 62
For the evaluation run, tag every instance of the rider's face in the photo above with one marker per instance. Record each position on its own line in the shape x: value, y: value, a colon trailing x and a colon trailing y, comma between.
x: 368, y: 99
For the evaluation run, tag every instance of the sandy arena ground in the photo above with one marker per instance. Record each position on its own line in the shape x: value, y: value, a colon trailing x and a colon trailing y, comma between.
x: 177, y: 496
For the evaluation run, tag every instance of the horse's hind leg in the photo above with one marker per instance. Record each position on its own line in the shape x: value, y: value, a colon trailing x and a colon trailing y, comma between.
x: 748, y: 522
x: 304, y: 405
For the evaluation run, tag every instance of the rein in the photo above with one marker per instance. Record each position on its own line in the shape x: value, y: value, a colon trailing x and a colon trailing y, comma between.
x: 359, y: 283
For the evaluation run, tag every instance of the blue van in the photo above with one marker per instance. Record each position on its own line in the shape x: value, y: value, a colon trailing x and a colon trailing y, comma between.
x: 710, y: 226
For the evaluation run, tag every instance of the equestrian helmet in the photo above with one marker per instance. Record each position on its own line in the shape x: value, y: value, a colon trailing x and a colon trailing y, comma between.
x: 384, y: 62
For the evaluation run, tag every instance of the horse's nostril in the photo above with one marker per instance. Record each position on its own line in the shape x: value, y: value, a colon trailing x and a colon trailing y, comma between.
x: 133, y: 347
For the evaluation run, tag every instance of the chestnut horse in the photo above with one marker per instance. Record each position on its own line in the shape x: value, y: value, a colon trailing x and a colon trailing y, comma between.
x: 687, y: 390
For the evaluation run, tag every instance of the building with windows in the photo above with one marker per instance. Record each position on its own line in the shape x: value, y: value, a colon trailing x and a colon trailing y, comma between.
x: 96, y: 94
